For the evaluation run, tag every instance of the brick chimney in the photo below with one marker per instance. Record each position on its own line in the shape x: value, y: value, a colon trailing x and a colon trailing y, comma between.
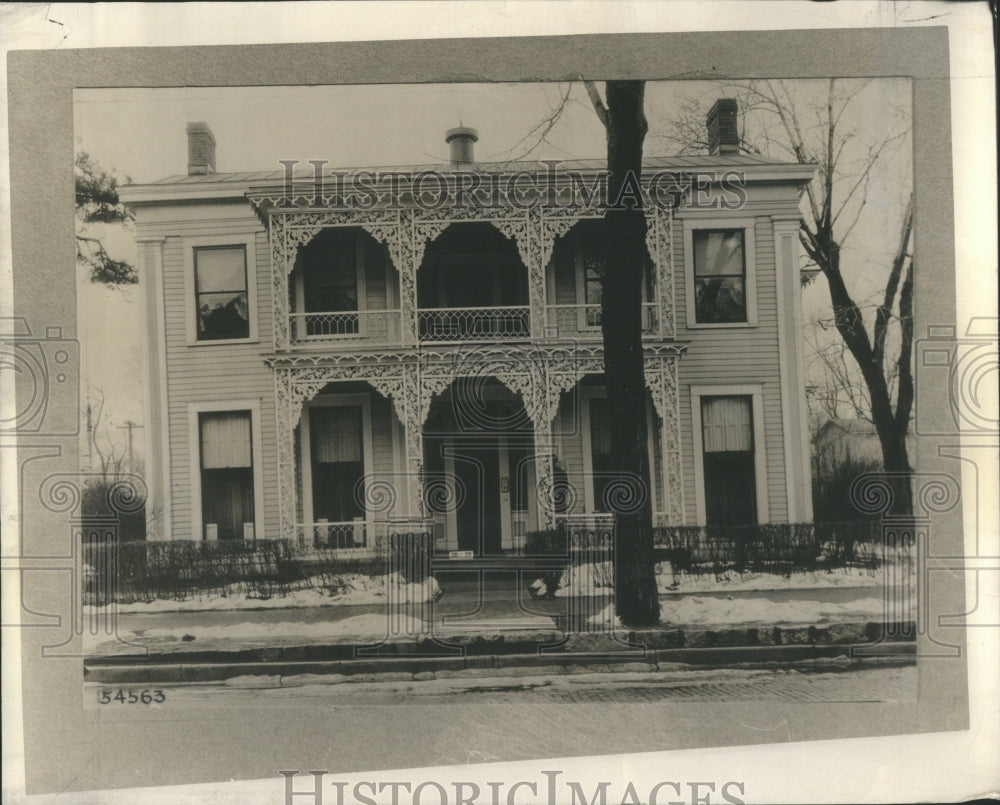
x: 462, y: 141
x: 201, y: 149
x: 723, y: 131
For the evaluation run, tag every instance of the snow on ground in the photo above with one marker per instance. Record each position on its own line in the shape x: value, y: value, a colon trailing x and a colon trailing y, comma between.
x: 595, y: 579
x: 688, y: 612
x: 721, y: 612
x: 354, y: 589
x: 369, y: 625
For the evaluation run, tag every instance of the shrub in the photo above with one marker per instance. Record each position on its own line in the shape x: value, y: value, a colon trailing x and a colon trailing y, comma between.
x: 832, y: 492
x: 101, y: 503
x: 144, y: 571
x: 770, y: 547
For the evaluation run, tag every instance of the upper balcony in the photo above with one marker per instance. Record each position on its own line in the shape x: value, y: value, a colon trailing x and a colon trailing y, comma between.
x: 471, y: 287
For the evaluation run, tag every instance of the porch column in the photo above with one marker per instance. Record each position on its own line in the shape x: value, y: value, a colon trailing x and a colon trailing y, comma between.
x: 658, y: 239
x: 535, y: 260
x: 412, y: 415
x: 287, y: 407
x: 407, y: 257
x: 543, y: 405
x: 661, y: 377
x: 279, y: 280
x: 544, y: 471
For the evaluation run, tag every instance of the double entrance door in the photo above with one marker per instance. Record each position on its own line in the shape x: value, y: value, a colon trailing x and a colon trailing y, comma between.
x: 480, y: 489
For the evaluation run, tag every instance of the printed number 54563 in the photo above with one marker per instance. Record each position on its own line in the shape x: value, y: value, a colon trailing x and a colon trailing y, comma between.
x: 131, y: 696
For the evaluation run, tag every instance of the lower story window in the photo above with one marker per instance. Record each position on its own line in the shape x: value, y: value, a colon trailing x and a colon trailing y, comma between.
x: 337, y: 463
x: 600, y: 451
x: 227, y: 498
x: 727, y: 440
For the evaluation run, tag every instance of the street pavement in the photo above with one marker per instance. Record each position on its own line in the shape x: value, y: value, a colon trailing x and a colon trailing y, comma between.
x: 829, y: 682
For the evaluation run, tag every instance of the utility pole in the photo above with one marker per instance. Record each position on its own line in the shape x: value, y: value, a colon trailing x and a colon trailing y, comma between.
x: 130, y: 425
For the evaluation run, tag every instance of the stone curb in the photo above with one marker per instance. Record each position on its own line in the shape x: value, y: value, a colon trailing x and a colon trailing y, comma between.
x: 421, y: 668
x: 484, y: 647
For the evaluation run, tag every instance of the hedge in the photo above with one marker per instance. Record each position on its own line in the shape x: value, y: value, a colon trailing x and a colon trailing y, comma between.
x: 126, y: 572
x: 774, y: 547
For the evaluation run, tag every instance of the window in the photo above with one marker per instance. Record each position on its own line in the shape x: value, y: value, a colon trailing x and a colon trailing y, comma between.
x: 728, y: 446
x: 330, y: 285
x: 221, y: 297
x: 600, y: 450
x: 719, y: 276
x: 335, y: 439
x: 592, y: 261
x: 227, y: 485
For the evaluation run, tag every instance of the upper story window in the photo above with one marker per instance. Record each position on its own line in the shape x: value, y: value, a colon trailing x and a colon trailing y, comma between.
x: 592, y: 264
x: 330, y: 271
x: 330, y: 278
x: 221, y: 294
x: 587, y: 241
x: 719, y: 276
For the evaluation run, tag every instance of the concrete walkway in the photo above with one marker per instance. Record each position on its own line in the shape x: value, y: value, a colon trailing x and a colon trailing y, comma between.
x: 468, y: 631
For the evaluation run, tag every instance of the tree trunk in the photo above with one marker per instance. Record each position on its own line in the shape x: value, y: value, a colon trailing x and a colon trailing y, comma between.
x: 621, y: 318
x: 891, y: 427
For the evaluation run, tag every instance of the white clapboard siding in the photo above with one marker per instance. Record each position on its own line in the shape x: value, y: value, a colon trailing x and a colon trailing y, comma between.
x: 216, y: 372
x: 739, y: 355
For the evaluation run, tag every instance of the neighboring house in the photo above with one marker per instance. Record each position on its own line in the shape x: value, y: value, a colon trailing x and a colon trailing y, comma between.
x: 842, y: 441
x: 323, y: 360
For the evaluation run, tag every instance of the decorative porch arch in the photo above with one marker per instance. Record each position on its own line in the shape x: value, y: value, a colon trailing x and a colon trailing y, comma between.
x: 406, y: 232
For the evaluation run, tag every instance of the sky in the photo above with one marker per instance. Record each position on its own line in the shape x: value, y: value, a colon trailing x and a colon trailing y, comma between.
x: 140, y: 134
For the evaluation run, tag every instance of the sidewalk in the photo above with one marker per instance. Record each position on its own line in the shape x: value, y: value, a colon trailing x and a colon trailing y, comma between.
x: 467, y: 630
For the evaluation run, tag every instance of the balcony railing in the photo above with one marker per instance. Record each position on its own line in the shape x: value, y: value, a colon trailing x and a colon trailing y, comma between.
x: 454, y: 324
x: 576, y: 320
x: 358, y: 534
x: 352, y: 534
x: 373, y: 326
x: 474, y: 323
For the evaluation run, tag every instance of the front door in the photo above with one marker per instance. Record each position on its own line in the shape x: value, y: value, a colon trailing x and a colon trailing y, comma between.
x: 477, y: 515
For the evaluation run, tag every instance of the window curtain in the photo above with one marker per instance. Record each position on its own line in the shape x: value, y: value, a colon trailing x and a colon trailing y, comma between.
x: 225, y: 440
x: 336, y: 434
x: 726, y: 425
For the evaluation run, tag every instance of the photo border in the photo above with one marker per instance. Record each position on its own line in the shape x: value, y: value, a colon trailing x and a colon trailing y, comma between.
x: 60, y: 750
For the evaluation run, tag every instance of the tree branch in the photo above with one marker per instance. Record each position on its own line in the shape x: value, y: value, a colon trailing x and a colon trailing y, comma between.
x: 884, y: 312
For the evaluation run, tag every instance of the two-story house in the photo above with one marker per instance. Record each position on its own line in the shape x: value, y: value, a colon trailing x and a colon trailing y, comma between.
x: 332, y: 349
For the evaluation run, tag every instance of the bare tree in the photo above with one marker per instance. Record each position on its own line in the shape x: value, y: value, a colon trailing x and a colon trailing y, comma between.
x: 624, y: 120
x: 848, y: 160
x: 111, y: 458
x: 835, y: 388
